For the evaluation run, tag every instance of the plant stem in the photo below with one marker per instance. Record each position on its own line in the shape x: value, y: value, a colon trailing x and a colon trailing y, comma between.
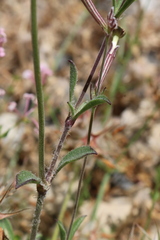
x: 36, y: 219
x: 92, y: 71
x: 39, y: 89
x: 81, y: 176
x: 106, y: 55
x: 95, y: 14
x: 50, y: 173
x: 41, y: 117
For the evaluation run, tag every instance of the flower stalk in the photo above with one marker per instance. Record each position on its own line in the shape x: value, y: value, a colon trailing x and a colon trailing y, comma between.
x: 95, y: 14
x: 39, y: 89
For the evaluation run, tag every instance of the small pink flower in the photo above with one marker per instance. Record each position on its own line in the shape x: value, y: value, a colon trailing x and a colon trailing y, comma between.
x: 2, y: 92
x: 28, y: 74
x: 29, y: 96
x: 3, y: 39
x: 45, y: 72
x: 2, y: 52
x: 12, y: 106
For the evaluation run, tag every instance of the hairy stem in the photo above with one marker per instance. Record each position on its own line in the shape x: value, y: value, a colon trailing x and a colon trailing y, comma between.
x: 50, y: 173
x: 39, y: 89
x: 36, y: 219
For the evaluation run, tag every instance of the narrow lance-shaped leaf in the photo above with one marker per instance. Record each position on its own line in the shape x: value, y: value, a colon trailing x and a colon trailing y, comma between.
x: 72, y: 110
x: 26, y: 177
x: 124, y: 6
x: 62, y: 231
x: 73, y: 80
x: 3, y: 135
x: 74, y: 155
x: 117, y: 4
x: 75, y: 226
x: 90, y: 104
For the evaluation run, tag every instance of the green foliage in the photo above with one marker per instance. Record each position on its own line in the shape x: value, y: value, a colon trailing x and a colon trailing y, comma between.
x: 7, y: 227
x: 90, y: 104
x: 122, y: 6
x: 73, y: 80
x: 117, y: 5
x: 71, y: 107
x: 62, y: 231
x: 3, y: 135
x: 26, y: 177
x: 74, y: 155
x: 75, y: 226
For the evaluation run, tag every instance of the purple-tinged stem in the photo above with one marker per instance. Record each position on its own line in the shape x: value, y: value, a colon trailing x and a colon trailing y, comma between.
x: 95, y: 14
x: 92, y: 72
x: 51, y: 173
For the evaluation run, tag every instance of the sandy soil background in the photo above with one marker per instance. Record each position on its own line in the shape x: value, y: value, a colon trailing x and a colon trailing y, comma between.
x: 126, y: 135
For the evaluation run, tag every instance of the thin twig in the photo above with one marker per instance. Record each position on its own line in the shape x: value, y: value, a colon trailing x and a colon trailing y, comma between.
x: 92, y: 71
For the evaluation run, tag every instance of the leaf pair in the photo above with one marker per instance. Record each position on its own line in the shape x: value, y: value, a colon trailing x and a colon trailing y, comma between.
x: 76, y: 224
x: 27, y: 177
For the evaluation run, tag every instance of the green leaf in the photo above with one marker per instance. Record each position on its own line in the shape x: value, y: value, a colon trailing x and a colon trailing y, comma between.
x: 3, y: 135
x: 117, y: 4
x: 75, y: 226
x: 74, y: 155
x: 73, y: 80
x: 62, y: 231
x: 7, y: 227
x: 26, y: 177
x: 90, y: 104
x: 72, y: 110
x: 123, y: 7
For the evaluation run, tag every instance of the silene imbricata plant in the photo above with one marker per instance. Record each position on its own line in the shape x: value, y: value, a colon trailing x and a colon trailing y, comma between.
x: 112, y: 34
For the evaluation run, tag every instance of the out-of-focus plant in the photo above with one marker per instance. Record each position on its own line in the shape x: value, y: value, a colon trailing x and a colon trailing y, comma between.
x: 45, y: 73
x: 3, y: 39
x: 6, y: 231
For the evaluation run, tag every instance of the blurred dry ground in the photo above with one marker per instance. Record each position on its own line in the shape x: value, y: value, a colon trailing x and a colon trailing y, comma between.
x: 127, y: 141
